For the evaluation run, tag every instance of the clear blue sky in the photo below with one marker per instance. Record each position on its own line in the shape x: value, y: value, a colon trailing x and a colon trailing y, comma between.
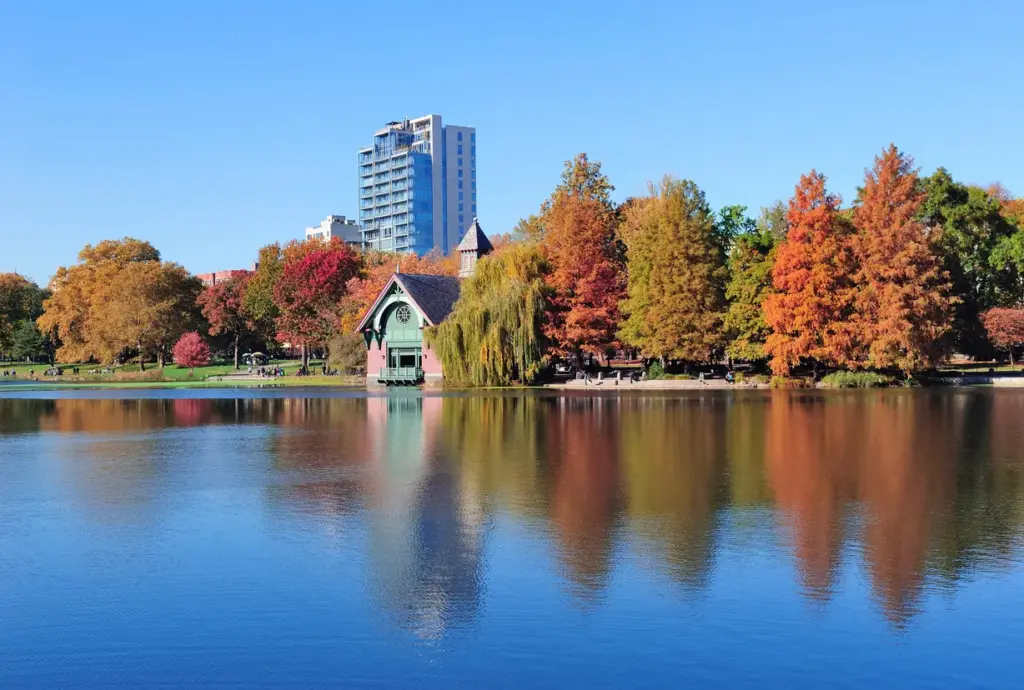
x: 211, y: 128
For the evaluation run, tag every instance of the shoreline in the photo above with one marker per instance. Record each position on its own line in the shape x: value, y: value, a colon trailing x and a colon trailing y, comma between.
x: 241, y: 383
x: 657, y: 385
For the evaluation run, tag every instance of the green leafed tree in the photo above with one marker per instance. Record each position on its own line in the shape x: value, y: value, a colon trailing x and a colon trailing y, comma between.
x: 28, y: 343
x: 530, y: 229
x: 732, y: 222
x: 974, y: 241
x: 750, y: 264
x: 773, y: 221
x: 750, y: 282
x: 20, y: 299
x: 258, y: 302
x: 676, y: 284
x: 494, y: 335
x: 1008, y: 258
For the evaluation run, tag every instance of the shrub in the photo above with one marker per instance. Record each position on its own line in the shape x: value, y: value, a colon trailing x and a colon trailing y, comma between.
x: 348, y: 352
x: 788, y: 382
x: 855, y: 379
x: 148, y: 375
x: 656, y: 371
x: 191, y: 351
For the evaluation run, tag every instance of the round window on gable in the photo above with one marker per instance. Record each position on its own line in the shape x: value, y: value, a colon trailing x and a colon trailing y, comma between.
x: 403, y: 313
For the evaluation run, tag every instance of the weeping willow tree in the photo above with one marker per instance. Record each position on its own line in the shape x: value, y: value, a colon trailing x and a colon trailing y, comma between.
x: 493, y: 335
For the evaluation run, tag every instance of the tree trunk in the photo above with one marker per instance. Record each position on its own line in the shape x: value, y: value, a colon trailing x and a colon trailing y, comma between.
x: 236, y: 350
x: 161, y: 356
x: 1011, y: 357
x: 305, y: 356
x: 142, y: 359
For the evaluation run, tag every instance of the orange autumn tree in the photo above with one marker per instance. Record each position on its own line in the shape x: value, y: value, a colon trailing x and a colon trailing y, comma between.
x: 587, y: 274
x: 904, y: 307
x: 810, y: 313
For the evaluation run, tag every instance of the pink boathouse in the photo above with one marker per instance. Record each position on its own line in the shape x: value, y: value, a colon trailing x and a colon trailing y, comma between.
x: 396, y: 353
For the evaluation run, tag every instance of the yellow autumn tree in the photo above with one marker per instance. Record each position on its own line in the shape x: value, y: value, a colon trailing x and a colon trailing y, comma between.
x: 676, y: 274
x: 119, y: 296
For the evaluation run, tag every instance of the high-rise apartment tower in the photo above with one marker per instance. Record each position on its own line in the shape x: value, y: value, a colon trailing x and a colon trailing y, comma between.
x: 417, y: 186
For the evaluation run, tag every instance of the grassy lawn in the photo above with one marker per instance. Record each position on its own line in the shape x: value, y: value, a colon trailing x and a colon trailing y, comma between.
x: 176, y: 373
x: 171, y: 374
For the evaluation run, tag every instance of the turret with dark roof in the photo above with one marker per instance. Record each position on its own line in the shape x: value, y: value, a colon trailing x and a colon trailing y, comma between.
x: 474, y: 245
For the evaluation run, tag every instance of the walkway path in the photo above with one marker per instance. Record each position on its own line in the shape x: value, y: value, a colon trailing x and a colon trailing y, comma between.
x: 660, y: 384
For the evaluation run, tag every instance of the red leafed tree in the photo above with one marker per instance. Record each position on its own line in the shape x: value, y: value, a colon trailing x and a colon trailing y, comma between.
x: 587, y: 273
x: 191, y: 351
x: 223, y: 305
x: 1005, y: 328
x: 903, y: 295
x: 810, y: 313
x: 587, y: 276
x: 309, y: 293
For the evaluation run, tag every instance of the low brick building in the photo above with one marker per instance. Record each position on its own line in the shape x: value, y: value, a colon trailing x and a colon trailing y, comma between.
x: 209, y: 279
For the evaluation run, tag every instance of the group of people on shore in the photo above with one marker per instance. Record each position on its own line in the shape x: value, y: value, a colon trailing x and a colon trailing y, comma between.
x: 638, y: 375
x: 267, y: 372
x: 52, y: 371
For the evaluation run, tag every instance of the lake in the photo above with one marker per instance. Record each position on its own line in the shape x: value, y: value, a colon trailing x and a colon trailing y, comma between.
x: 330, y: 539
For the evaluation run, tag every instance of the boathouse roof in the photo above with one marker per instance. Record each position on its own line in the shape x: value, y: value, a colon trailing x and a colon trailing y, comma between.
x: 433, y: 296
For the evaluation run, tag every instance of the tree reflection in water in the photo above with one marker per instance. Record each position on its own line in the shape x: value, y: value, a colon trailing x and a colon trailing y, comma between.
x: 918, y: 489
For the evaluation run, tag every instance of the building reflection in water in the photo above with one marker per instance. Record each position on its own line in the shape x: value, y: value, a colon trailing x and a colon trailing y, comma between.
x: 917, y: 489
x: 425, y: 528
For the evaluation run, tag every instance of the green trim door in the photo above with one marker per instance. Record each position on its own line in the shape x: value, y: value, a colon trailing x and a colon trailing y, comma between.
x: 405, y: 357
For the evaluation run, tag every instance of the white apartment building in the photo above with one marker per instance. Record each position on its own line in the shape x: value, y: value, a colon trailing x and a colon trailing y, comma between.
x: 336, y: 226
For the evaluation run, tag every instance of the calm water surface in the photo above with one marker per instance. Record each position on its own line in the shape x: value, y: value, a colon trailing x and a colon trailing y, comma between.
x: 265, y: 539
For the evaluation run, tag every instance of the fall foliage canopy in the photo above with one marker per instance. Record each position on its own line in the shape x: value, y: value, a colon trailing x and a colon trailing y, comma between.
x: 587, y: 273
x: 120, y: 296
x: 677, y: 275
x: 810, y: 311
x: 223, y: 305
x: 915, y: 269
x: 1005, y: 328
x: 903, y: 304
x: 308, y: 294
